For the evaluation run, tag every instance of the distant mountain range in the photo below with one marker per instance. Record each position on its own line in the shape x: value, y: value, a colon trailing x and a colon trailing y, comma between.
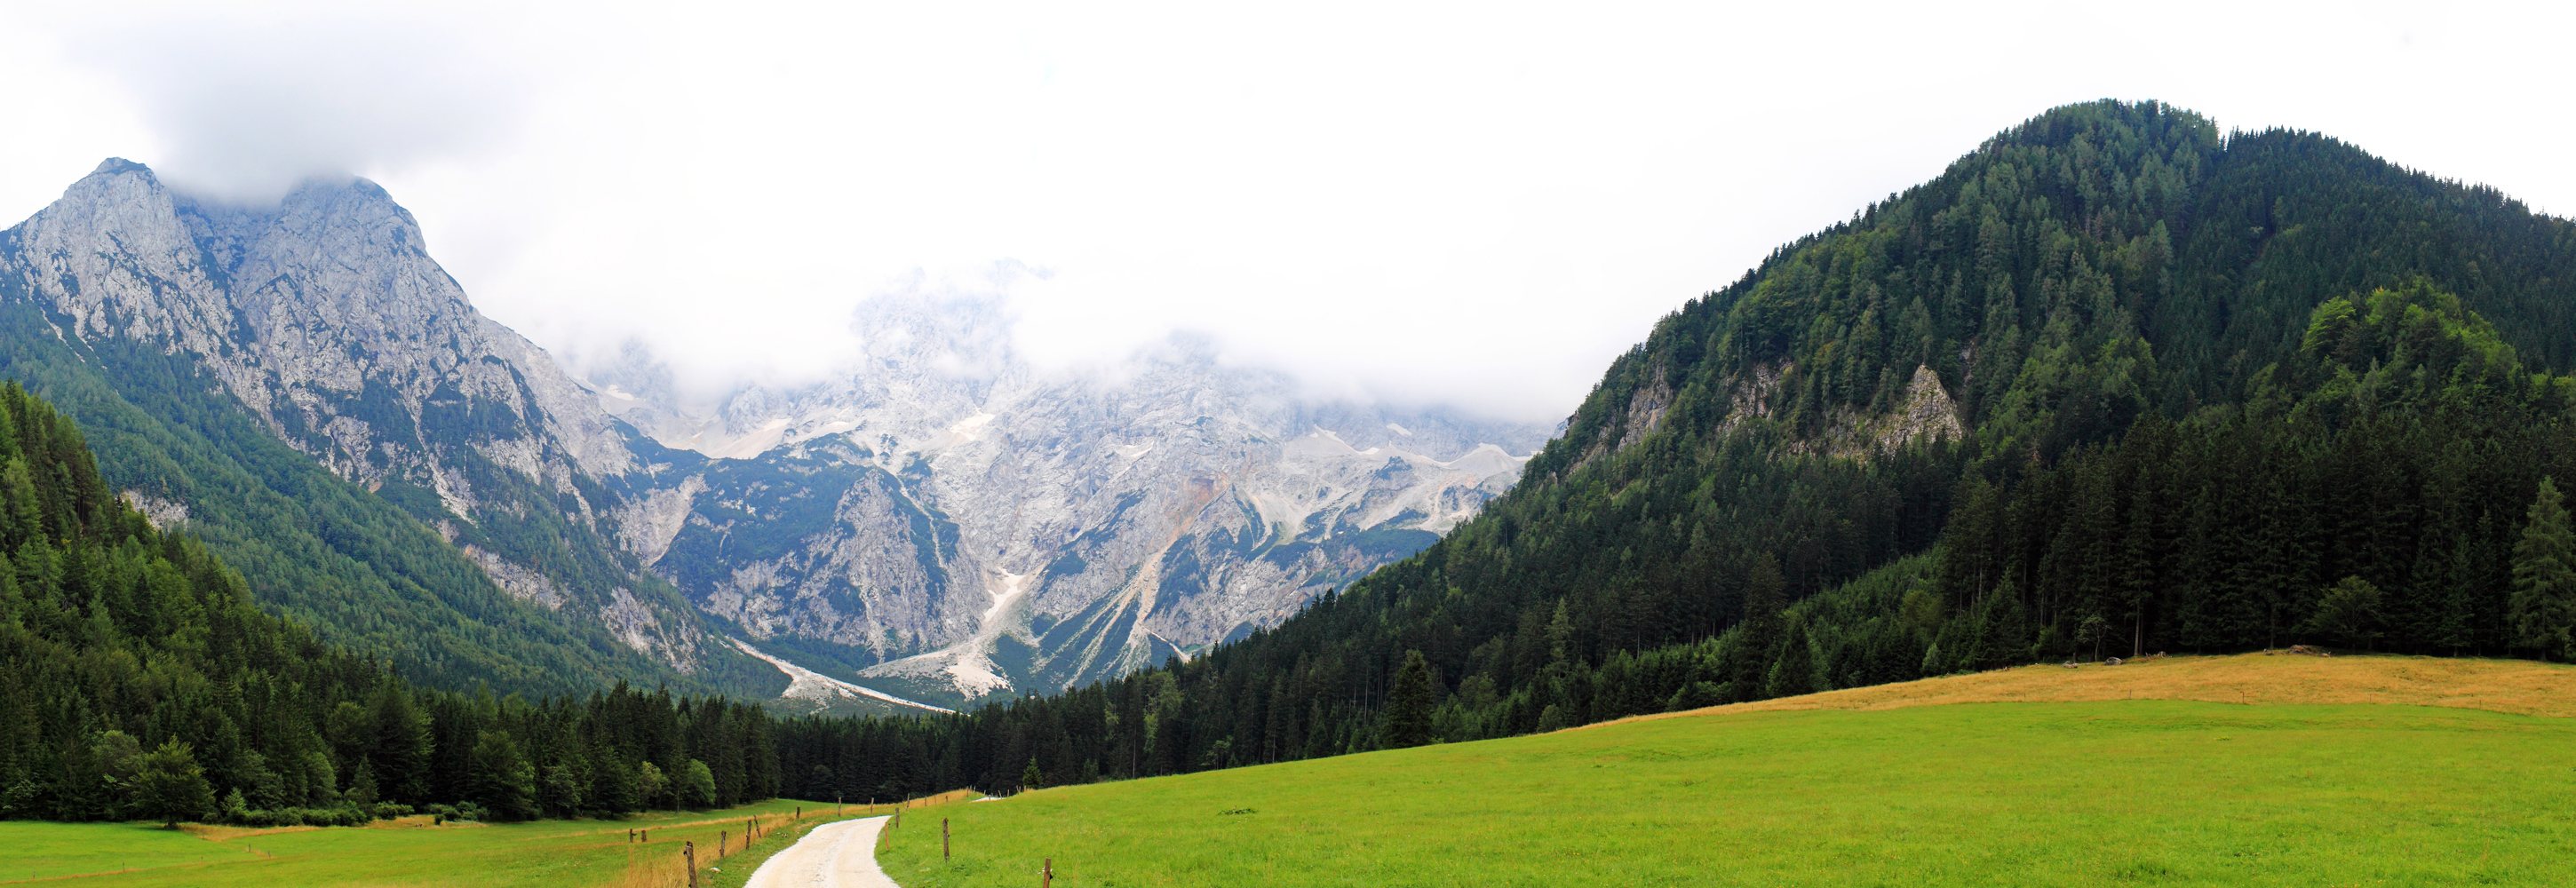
x: 939, y: 523
x: 2115, y: 382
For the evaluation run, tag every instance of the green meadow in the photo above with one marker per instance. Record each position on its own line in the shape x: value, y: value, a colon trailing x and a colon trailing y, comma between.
x: 409, y: 852
x: 2147, y: 792
x: 2039, y: 777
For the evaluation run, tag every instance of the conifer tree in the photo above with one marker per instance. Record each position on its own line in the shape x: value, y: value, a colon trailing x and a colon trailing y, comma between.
x: 1795, y: 672
x: 1409, y: 704
x: 502, y: 780
x: 2544, y: 576
x: 1749, y: 657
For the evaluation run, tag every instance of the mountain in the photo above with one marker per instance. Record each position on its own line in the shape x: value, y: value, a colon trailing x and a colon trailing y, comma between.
x: 2113, y: 383
x: 144, y: 682
x: 301, y: 386
x: 953, y: 521
x: 305, y: 388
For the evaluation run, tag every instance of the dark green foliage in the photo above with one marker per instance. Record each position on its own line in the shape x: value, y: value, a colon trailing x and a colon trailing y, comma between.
x: 1408, y: 709
x: 2544, y: 577
x: 2197, y: 379
x: 169, y: 785
x: 117, y: 638
x: 350, y: 564
x: 2348, y: 611
x: 697, y: 785
x: 501, y: 780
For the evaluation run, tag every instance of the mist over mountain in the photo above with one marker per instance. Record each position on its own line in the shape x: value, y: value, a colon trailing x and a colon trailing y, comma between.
x: 2114, y: 383
x: 1070, y: 523
x: 941, y: 514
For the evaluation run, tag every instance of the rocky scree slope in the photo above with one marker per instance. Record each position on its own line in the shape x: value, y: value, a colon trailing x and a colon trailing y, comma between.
x: 955, y: 522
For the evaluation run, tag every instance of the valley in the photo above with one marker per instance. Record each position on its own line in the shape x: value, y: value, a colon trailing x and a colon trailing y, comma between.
x: 1861, y: 569
x: 2262, y: 767
x: 248, y: 366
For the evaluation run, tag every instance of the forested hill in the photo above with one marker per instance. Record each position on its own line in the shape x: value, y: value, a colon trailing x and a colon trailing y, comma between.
x: 143, y: 682
x: 2113, y: 382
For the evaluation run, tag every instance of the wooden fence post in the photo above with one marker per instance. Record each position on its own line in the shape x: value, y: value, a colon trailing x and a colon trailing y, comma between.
x: 1050, y: 874
x: 689, y: 850
x: 722, y: 839
x: 943, y: 838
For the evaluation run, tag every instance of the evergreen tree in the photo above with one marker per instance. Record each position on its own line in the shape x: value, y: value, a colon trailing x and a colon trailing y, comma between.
x: 502, y: 780
x: 1031, y: 777
x: 2544, y: 577
x: 1409, y: 704
x: 1749, y: 655
x: 1795, y: 672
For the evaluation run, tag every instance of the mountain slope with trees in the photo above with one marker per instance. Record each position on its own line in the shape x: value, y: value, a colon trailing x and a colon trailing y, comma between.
x: 2113, y: 383
x: 145, y: 683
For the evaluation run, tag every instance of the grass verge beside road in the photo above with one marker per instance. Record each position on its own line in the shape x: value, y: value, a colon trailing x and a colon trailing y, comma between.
x: 408, y: 852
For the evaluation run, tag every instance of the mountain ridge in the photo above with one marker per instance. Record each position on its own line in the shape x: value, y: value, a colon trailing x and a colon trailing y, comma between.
x: 2209, y: 393
x: 324, y: 320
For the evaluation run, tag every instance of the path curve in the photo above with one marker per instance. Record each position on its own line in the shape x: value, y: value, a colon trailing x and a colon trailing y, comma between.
x: 834, y: 855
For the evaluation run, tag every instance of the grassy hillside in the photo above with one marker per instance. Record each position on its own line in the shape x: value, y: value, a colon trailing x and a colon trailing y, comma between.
x: 2520, y: 687
x: 2078, y: 786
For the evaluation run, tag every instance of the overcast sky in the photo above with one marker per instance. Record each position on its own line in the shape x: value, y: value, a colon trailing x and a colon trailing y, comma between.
x: 1477, y: 204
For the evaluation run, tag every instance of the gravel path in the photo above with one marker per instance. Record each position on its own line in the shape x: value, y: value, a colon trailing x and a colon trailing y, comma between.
x: 834, y: 855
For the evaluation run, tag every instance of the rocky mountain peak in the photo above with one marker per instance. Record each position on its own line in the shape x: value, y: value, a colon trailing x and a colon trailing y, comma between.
x: 322, y: 313
x: 940, y: 517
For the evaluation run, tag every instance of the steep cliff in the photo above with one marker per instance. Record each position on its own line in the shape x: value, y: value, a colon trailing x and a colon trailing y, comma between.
x: 955, y: 522
x: 941, y: 520
x: 464, y: 478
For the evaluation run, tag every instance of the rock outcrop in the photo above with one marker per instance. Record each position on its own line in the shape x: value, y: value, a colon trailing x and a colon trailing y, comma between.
x: 942, y: 518
x: 962, y: 523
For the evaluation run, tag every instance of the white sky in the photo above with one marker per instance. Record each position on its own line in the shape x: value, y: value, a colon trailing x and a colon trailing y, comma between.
x: 1478, y: 204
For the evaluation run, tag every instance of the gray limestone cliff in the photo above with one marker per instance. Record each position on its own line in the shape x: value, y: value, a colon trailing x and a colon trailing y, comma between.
x: 956, y: 522
x: 940, y: 519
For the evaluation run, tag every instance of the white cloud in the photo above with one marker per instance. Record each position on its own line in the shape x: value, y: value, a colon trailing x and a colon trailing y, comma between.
x: 1470, y: 203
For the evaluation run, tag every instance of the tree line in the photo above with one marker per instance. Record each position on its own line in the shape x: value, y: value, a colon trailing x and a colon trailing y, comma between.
x: 145, y: 683
x: 2216, y: 392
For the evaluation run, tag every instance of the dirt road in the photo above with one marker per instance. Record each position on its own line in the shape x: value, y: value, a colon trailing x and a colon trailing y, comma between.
x: 834, y: 855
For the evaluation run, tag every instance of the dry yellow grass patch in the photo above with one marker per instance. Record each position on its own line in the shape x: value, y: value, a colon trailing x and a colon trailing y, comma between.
x: 2521, y: 687
x: 214, y: 833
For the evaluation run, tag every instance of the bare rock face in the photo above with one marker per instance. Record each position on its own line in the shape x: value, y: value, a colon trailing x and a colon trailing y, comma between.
x: 960, y: 523
x: 942, y: 519
x: 326, y: 319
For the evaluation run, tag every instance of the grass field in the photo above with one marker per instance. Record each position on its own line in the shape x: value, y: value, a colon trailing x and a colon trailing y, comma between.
x: 408, y: 852
x: 2344, y: 771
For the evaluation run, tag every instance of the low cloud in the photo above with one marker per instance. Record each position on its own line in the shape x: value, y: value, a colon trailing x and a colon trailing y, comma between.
x: 247, y: 107
x: 1418, y: 204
